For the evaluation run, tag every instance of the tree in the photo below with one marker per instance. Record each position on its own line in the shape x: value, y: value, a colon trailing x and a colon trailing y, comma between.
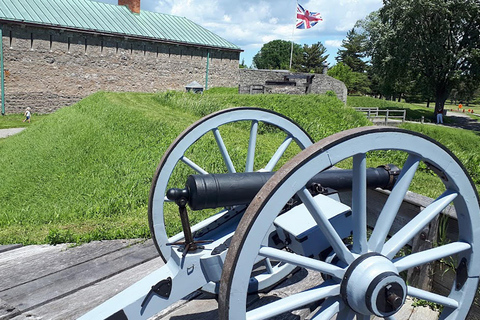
x: 342, y: 72
x: 437, y: 41
x: 275, y: 55
x: 356, y: 82
x: 243, y: 65
x: 311, y: 59
x: 353, y: 52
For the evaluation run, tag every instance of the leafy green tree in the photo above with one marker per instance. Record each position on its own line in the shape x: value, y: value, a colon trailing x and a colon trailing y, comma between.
x: 342, y: 72
x: 356, y: 82
x: 311, y: 58
x: 438, y: 41
x: 353, y: 51
x: 275, y: 55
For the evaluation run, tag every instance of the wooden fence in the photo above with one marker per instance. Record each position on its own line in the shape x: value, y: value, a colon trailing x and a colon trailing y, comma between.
x: 383, y: 116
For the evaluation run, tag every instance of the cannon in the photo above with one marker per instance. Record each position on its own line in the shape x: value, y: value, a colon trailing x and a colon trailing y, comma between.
x: 286, y: 210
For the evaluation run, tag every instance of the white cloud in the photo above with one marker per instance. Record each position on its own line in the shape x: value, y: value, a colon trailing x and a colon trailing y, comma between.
x: 251, y: 23
x: 333, y: 43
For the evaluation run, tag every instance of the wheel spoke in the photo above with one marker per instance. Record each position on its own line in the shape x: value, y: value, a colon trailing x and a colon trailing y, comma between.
x: 432, y: 297
x: 325, y: 226
x: 419, y: 258
x: 302, y: 261
x: 251, y: 147
x: 328, y: 309
x: 414, y: 226
x: 359, y: 203
x: 294, y: 301
x: 193, y: 165
x: 268, y: 266
x: 392, y: 205
x: 223, y: 151
x: 278, y: 154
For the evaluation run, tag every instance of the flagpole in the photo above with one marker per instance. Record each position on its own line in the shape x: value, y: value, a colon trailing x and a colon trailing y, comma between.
x: 294, y: 26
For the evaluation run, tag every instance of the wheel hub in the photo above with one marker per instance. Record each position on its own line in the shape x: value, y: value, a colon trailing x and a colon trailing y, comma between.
x: 372, y: 285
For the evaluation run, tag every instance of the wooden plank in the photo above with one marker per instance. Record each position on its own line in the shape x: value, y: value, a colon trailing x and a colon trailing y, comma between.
x: 423, y: 313
x: 84, y: 300
x: 422, y: 276
x: 33, y: 262
x: 64, y: 282
x: 8, y: 247
x: 299, y: 281
x: 28, y: 252
x: 7, y: 310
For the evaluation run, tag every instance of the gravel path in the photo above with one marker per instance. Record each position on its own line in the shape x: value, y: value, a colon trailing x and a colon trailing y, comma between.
x: 8, y: 132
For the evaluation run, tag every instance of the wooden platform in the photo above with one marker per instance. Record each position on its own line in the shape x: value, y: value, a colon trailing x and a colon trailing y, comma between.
x: 64, y: 282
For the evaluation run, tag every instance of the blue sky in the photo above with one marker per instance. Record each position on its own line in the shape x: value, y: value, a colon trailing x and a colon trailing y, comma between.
x: 252, y: 23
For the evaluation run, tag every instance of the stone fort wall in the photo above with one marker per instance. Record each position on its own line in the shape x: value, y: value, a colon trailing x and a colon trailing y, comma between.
x: 259, y: 81
x: 47, y: 69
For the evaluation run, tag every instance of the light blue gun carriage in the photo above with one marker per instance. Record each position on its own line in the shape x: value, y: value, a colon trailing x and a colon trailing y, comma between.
x: 269, y: 224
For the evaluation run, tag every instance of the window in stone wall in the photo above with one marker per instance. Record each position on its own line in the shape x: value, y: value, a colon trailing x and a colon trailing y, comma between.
x: 51, y: 42
x: 86, y: 45
x: 31, y: 41
x: 11, y: 39
x: 68, y: 44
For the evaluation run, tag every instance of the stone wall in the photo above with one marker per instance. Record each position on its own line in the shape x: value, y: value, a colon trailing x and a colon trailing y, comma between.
x: 255, y: 81
x: 46, y: 69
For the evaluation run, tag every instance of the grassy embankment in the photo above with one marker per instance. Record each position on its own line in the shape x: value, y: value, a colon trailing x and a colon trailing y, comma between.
x: 84, y: 172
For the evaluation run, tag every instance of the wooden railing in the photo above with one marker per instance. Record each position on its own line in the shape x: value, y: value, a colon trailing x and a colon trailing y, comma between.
x: 385, y: 116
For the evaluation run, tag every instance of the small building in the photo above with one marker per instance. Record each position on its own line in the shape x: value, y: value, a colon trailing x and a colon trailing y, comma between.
x: 56, y: 52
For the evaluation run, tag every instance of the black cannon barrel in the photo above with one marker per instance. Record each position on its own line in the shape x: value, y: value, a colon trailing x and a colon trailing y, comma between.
x: 223, y: 190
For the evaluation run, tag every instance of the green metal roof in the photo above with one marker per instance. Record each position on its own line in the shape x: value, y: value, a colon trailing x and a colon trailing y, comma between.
x: 106, y: 18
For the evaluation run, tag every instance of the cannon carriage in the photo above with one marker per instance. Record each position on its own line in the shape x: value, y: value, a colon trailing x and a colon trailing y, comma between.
x: 266, y: 220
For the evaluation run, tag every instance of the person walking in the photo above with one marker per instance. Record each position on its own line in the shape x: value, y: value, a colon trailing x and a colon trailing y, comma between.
x: 27, y: 115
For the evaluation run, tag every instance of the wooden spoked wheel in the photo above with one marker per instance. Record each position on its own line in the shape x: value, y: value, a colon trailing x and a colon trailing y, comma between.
x: 365, y: 277
x: 250, y: 125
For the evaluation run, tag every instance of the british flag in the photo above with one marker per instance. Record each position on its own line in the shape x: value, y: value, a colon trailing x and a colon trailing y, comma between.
x: 306, y: 19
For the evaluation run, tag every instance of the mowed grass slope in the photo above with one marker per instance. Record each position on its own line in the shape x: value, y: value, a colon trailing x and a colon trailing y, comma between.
x: 84, y: 172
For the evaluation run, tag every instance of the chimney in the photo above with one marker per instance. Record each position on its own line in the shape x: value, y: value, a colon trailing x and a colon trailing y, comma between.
x: 133, y: 5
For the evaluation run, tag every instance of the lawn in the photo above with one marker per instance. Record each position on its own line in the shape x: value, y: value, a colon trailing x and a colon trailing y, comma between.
x: 84, y: 172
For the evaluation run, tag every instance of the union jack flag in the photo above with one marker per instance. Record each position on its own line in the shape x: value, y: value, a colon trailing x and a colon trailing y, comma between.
x: 306, y: 19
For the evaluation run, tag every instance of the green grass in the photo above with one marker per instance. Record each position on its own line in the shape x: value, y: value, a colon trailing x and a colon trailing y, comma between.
x: 84, y: 172
x: 14, y: 120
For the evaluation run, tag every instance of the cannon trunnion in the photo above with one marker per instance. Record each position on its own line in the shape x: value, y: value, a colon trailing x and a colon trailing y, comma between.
x: 266, y: 225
